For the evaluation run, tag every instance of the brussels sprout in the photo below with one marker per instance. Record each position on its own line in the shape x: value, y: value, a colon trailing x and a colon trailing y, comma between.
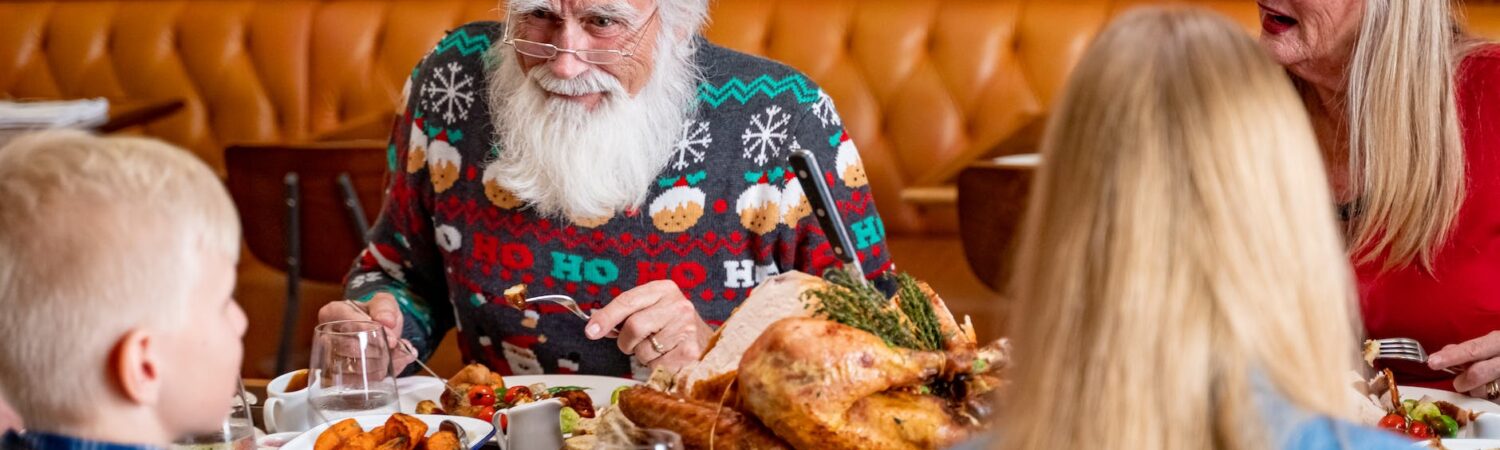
x: 1444, y: 426
x: 568, y: 418
x: 614, y: 397
x: 1423, y: 411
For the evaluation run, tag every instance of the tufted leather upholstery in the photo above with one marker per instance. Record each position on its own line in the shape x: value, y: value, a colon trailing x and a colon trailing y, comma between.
x: 925, y: 86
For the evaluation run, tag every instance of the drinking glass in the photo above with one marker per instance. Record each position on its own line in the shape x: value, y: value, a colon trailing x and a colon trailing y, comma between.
x: 351, y: 373
x: 237, y: 432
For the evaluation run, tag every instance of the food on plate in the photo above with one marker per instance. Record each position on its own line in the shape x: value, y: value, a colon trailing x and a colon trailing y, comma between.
x: 484, y: 392
x: 847, y: 389
x: 568, y: 420
x: 515, y: 296
x: 830, y: 364
x: 337, y: 434
x: 715, y: 372
x: 1370, y: 351
x: 701, y: 424
x: 400, y: 432
x: 1422, y: 418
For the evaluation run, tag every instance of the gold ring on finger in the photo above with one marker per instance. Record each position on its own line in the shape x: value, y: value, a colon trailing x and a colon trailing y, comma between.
x: 656, y: 345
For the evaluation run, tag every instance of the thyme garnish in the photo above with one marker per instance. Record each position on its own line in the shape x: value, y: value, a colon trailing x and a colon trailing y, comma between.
x: 908, y: 323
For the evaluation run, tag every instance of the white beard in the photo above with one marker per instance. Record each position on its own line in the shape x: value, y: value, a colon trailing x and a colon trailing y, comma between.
x: 569, y: 162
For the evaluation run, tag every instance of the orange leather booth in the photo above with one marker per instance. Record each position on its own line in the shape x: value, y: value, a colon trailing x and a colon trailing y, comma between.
x: 925, y: 86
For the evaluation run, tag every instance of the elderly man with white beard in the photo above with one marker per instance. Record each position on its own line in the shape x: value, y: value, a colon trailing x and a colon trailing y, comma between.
x: 600, y: 149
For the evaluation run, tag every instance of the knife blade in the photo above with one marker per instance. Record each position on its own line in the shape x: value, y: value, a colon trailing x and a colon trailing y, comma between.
x: 805, y: 166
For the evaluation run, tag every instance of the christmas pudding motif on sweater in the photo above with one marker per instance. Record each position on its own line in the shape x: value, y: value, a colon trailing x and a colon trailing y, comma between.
x: 416, y: 149
x: 794, y: 204
x: 678, y: 208
x: 847, y: 164
x: 759, y: 206
x: 495, y: 192
x: 589, y: 222
x: 443, y: 163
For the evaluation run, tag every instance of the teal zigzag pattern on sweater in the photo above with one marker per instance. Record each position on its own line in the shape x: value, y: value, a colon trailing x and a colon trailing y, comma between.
x: 466, y: 44
x: 737, y: 89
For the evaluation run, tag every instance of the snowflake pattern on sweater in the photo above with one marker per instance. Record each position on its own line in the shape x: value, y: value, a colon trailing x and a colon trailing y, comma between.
x: 724, y: 215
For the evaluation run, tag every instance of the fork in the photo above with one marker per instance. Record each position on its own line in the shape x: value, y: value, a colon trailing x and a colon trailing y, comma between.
x: 1406, y: 349
x: 568, y: 303
x: 407, y: 347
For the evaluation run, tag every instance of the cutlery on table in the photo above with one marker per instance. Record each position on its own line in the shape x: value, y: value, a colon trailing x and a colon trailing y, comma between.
x: 821, y: 199
x: 568, y: 303
x: 1406, y: 349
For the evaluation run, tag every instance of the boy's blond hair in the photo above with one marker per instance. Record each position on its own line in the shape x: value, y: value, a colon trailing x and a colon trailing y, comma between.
x: 98, y: 236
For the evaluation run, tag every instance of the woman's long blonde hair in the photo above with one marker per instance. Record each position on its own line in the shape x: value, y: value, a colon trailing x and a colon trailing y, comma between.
x: 1405, y: 153
x: 1179, y: 243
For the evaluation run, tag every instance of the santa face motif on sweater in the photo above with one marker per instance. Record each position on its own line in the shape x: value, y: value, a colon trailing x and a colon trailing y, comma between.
x: 721, y: 212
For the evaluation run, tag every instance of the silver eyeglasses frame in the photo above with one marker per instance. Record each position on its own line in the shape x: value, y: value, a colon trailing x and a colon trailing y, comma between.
x: 597, y: 57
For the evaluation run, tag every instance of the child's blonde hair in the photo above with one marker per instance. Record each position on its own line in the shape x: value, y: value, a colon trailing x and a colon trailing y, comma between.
x: 98, y: 236
x: 1180, y: 243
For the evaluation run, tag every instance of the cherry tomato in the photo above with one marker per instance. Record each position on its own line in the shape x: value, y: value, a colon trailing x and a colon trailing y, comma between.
x: 481, y: 395
x: 504, y: 422
x: 1393, y: 422
x: 1419, y: 430
x: 487, y: 414
x: 515, y: 394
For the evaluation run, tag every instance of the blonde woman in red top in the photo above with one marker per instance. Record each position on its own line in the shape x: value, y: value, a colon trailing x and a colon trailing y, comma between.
x: 1406, y: 107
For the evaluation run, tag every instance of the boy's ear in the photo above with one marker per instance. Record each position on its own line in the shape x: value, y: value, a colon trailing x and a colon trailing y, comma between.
x: 135, y: 368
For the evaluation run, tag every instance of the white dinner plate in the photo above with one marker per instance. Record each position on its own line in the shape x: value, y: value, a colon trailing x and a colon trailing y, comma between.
x: 1483, y: 428
x: 1465, y: 444
x: 1463, y: 401
x: 479, y: 432
x: 598, y: 387
x: 415, y: 389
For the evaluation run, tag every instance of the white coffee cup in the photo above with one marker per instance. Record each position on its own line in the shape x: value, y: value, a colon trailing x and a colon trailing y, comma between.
x: 287, y: 411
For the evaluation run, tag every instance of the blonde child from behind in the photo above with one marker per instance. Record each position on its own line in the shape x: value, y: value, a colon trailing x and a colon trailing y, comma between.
x: 117, y: 266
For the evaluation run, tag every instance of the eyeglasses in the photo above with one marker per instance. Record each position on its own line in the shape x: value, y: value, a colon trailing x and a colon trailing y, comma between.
x: 549, y: 52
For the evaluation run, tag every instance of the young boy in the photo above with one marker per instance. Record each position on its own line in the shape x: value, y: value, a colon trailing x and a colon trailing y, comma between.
x: 117, y: 262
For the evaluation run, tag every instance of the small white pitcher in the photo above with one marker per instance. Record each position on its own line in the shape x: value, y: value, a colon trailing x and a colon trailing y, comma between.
x: 533, y: 426
x: 287, y: 410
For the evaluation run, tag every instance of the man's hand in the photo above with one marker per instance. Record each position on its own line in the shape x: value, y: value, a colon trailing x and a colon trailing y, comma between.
x: 383, y: 309
x: 1482, y: 355
x: 654, y: 311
